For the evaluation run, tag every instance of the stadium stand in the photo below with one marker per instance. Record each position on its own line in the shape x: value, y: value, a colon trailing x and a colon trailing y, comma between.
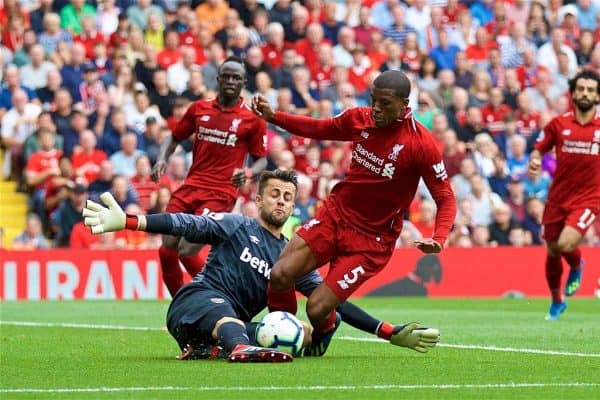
x: 487, y: 76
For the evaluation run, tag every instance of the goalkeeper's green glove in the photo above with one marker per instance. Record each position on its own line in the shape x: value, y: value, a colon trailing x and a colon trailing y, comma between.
x: 416, y: 337
x: 111, y: 219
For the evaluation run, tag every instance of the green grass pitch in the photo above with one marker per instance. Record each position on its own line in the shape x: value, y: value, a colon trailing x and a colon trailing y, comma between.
x: 490, y: 349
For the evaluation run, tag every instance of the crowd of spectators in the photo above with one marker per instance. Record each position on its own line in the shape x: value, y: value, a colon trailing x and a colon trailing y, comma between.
x: 90, y: 89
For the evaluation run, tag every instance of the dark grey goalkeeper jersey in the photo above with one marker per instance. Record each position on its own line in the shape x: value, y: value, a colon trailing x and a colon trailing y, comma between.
x: 240, y: 261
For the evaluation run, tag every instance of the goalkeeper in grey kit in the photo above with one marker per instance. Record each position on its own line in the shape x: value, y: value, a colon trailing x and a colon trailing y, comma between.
x: 210, y: 316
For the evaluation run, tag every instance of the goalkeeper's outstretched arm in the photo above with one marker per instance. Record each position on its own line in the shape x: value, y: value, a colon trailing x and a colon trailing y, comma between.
x: 196, y: 229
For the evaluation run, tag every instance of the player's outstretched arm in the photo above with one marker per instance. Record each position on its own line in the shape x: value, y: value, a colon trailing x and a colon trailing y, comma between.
x: 340, y: 128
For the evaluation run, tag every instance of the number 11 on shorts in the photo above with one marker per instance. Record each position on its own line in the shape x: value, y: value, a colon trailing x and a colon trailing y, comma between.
x: 586, y: 219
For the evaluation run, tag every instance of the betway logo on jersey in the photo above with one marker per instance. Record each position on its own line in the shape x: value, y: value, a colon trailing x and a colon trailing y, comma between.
x: 261, y: 266
x: 216, y: 136
x: 372, y: 162
x: 580, y: 147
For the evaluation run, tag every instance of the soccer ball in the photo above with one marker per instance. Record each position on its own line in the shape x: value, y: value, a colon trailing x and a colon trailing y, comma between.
x: 280, y: 330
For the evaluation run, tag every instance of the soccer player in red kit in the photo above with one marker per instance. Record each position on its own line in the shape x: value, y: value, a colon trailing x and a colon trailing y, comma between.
x: 574, y: 198
x: 224, y: 131
x: 356, y: 228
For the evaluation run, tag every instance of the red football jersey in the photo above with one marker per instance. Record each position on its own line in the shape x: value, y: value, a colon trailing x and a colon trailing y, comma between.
x: 494, y: 117
x: 387, y: 164
x: 576, y: 183
x: 223, y: 138
x: 88, y: 165
x: 41, y: 161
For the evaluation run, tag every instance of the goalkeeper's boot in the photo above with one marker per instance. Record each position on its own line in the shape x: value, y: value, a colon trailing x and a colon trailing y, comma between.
x: 202, y: 351
x: 555, y: 310
x: 247, y: 353
x: 574, y: 280
x: 320, y: 341
x: 416, y: 337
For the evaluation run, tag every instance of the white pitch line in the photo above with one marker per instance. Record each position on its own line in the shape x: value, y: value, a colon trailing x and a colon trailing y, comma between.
x: 490, y: 348
x: 81, y: 326
x: 349, y: 338
x: 302, y: 388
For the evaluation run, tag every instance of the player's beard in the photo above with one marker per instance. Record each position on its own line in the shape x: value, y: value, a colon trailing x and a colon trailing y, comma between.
x: 584, y: 107
x: 272, y: 219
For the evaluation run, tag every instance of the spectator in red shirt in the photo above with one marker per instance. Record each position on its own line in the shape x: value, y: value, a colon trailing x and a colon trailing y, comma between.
x: 321, y: 73
x: 180, y: 106
x: 171, y: 53
x: 142, y: 181
x: 451, y: 11
x: 119, y: 38
x: 426, y: 222
x: 528, y: 120
x: 308, y: 48
x: 41, y: 166
x: 478, y: 52
x: 364, y: 29
x: 494, y: 112
x: 86, y: 158
x: 273, y: 49
x: 82, y: 237
x: 359, y: 73
x: 89, y: 35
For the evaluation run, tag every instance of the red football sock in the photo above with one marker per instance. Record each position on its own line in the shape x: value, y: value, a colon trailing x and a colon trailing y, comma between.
x: 171, y: 272
x: 385, y: 330
x: 193, y: 264
x: 282, y: 300
x: 328, y: 324
x: 573, y: 258
x: 554, y: 269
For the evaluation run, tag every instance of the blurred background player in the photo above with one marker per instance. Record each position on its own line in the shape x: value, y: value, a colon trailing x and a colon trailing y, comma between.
x: 215, y: 307
x: 224, y: 131
x: 357, y: 227
x: 574, y: 198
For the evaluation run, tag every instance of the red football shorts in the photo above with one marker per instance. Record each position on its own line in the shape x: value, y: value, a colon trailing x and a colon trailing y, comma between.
x: 198, y: 201
x: 580, y: 219
x: 353, y: 256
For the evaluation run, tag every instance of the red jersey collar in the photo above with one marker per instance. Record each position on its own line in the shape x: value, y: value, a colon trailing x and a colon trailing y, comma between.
x: 240, y: 104
x: 593, y: 121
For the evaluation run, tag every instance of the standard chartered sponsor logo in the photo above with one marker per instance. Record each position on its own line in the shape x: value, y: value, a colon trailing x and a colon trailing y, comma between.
x: 580, y: 147
x: 367, y: 159
x: 216, y: 136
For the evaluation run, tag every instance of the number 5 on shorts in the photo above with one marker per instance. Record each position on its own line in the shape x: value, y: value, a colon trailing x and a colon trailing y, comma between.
x: 351, y: 277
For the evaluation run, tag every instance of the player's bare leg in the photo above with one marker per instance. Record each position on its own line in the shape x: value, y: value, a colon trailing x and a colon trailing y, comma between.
x: 169, y: 263
x: 567, y: 243
x: 189, y: 254
x: 295, y: 260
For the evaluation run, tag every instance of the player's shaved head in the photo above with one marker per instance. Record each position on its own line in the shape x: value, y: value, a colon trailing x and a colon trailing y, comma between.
x: 394, y: 80
x: 233, y: 62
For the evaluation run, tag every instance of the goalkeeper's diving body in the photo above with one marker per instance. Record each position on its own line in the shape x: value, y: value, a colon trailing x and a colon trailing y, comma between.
x: 211, y: 316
